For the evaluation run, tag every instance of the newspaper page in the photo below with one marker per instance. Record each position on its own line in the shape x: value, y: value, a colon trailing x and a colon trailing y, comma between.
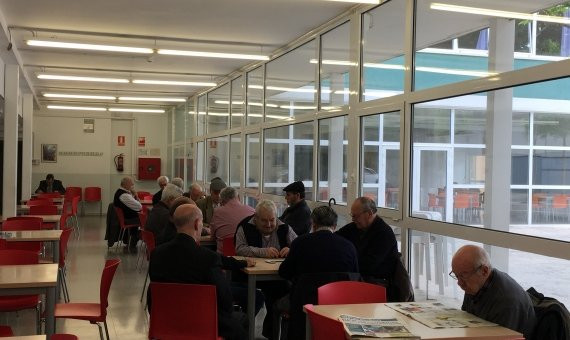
x: 377, y: 328
x: 438, y: 315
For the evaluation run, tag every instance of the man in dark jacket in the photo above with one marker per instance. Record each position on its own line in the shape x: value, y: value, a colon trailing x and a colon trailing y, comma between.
x: 159, y: 217
x: 298, y: 214
x: 182, y: 260
x: 374, y: 240
x: 126, y: 199
x: 162, y: 181
x: 50, y: 185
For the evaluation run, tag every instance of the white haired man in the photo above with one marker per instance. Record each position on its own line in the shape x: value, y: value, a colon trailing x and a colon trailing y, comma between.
x: 162, y: 181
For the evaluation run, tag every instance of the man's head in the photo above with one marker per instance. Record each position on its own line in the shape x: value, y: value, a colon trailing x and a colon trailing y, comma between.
x: 196, y: 192
x: 49, y: 179
x: 178, y: 202
x: 162, y: 181
x: 363, y: 212
x: 127, y: 183
x: 294, y: 192
x: 188, y: 220
x: 216, y: 186
x: 179, y: 182
x: 227, y: 194
x: 266, y: 217
x: 170, y: 193
x: 471, y: 267
x: 324, y: 217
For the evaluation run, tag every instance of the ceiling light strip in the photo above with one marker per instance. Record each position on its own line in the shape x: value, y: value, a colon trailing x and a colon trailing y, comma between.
x: 213, y: 54
x: 153, y: 99
x: 77, y: 108
x: 92, y: 47
x: 172, y: 82
x: 77, y: 78
x: 77, y: 96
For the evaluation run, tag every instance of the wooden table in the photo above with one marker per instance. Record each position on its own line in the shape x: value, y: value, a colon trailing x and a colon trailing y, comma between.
x: 52, y: 236
x: 25, y: 337
x: 25, y: 209
x: 50, y: 219
x: 32, y: 279
x: 57, y: 200
x: 379, y: 310
x: 262, y: 271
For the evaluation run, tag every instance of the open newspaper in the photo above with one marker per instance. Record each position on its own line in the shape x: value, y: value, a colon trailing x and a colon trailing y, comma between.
x: 377, y: 328
x: 438, y: 315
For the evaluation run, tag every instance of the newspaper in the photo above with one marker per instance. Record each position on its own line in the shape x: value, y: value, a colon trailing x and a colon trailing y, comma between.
x: 377, y: 328
x: 438, y: 315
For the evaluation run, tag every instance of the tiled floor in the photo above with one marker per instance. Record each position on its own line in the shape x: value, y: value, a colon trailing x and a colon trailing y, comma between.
x: 126, y: 317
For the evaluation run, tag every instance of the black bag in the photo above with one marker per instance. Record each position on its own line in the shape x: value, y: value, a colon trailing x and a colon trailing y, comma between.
x: 552, y: 317
x: 400, y: 288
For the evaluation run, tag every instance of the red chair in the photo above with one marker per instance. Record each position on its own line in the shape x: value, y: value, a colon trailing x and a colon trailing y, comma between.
x: 142, y: 194
x: 323, y: 327
x: 31, y: 203
x: 62, y: 272
x: 5, y: 331
x: 124, y: 227
x: 349, y: 292
x: 64, y: 337
x: 20, y: 302
x: 71, y: 192
x: 228, y: 246
x: 3, y: 244
x: 95, y: 313
x: 93, y: 194
x: 49, y: 195
x: 148, y: 240
x: 74, y: 206
x: 44, y: 210
x: 23, y: 223
x: 183, y: 311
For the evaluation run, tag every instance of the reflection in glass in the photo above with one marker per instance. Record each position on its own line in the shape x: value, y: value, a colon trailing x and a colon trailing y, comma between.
x: 237, y: 102
x: 190, y: 122
x: 200, y: 161
x: 333, y: 137
x: 190, y: 163
x: 179, y: 122
x: 335, y: 67
x: 217, y: 150
x: 255, y: 96
x: 202, y: 115
x: 252, y: 164
x: 235, y: 160
x: 218, y: 108
x: 179, y: 162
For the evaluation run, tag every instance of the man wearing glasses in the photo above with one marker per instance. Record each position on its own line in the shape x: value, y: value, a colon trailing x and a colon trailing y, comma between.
x: 491, y: 294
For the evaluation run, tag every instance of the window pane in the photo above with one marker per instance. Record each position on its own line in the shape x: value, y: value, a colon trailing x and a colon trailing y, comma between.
x: 551, y: 167
x: 252, y: 151
x: 190, y: 163
x: 469, y: 127
x: 519, y: 206
x: 469, y: 166
x: 217, y: 150
x: 552, y: 129
x: 201, y: 115
x: 200, y: 162
x: 290, y: 83
x: 521, y: 128
x: 382, y: 50
x: 255, y: 96
x: 235, y: 160
x: 335, y: 67
x: 218, y: 108
x: 179, y: 123
x: 288, y: 157
x: 380, y: 165
x: 333, y: 137
x: 431, y: 125
x: 237, y: 102
x: 179, y: 162
x: 190, y: 123
x: 519, y: 167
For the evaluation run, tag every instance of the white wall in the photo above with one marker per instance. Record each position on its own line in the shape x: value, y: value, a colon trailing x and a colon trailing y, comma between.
x: 66, y: 130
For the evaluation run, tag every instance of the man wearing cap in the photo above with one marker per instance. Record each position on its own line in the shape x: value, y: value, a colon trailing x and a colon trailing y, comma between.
x: 298, y: 214
x: 212, y: 201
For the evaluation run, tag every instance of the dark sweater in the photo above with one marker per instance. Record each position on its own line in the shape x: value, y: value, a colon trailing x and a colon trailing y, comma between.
x: 298, y: 216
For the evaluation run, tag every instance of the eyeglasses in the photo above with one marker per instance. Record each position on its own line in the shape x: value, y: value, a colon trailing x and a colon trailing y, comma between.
x: 464, y: 276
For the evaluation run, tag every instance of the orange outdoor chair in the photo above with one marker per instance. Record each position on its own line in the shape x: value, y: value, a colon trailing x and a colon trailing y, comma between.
x: 323, y: 327
x: 349, y: 292
x: 228, y: 246
x: 183, y: 311
x: 23, y: 223
x: 20, y: 302
x: 95, y: 313
x: 93, y: 194
x: 63, y: 240
x: 150, y: 244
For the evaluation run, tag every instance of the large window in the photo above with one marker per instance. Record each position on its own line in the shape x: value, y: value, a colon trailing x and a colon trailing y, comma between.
x: 335, y: 67
x: 255, y: 96
x: 200, y: 161
x: 201, y: 115
x: 218, y: 108
x: 179, y: 161
x: 179, y: 123
x: 252, y: 164
x: 217, y: 150
x: 235, y: 160
x: 190, y: 163
x: 237, y: 102
x: 333, y: 137
x: 190, y: 122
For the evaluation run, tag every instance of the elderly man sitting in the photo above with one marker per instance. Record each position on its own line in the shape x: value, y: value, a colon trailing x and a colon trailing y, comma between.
x: 159, y: 217
x: 226, y: 218
x: 491, y: 294
x: 162, y: 181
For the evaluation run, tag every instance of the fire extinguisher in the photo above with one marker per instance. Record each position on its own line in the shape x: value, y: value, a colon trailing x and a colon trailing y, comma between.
x: 119, y: 159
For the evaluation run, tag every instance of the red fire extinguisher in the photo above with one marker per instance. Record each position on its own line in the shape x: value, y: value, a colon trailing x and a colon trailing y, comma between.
x: 119, y: 159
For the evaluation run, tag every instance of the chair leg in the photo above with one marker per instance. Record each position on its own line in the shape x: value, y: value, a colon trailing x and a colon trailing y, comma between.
x: 39, y: 318
x: 106, y: 330
x: 100, y: 331
x: 65, y: 289
x: 144, y: 285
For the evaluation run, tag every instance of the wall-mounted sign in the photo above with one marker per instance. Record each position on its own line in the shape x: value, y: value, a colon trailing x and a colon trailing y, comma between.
x: 120, y: 140
x: 81, y: 153
x: 142, y: 141
x: 89, y: 125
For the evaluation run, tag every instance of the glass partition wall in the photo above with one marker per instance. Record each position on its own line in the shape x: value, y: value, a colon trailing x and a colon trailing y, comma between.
x: 456, y: 130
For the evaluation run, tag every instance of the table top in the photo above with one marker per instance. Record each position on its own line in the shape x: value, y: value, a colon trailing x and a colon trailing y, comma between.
x: 48, y: 218
x: 26, y: 337
x: 54, y: 200
x: 378, y: 310
x: 28, y: 276
x: 33, y: 235
x: 262, y: 266
x: 26, y: 208
x: 146, y: 202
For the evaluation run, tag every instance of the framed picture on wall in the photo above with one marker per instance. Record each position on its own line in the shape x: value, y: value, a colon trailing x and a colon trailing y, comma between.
x: 49, y: 153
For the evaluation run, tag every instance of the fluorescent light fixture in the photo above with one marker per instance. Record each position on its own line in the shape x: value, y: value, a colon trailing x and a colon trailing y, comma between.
x: 76, y: 108
x: 472, y: 73
x: 77, y: 96
x: 498, y: 13
x: 220, y: 114
x: 286, y: 89
x: 298, y: 107
x: 213, y: 54
x: 93, y: 47
x: 260, y: 104
x: 76, y: 78
x: 374, y: 2
x: 172, y: 82
x: 120, y: 109
x: 235, y: 102
x: 153, y: 99
x: 334, y: 62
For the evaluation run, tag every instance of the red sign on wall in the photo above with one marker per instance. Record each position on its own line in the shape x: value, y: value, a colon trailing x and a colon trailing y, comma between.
x: 142, y: 141
x: 120, y: 140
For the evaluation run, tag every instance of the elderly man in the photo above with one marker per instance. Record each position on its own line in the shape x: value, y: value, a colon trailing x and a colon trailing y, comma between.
x: 179, y: 182
x: 212, y: 201
x: 195, y: 192
x: 490, y: 293
x: 50, y: 185
x: 182, y: 260
x: 374, y: 241
x: 162, y: 181
x: 159, y: 217
x: 298, y: 214
x: 226, y: 218
x: 126, y: 199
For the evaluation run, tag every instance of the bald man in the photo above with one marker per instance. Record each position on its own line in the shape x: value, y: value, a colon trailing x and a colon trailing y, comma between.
x: 491, y: 294
x: 182, y: 260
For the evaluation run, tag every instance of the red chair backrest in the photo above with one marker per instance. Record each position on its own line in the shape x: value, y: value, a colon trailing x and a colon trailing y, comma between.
x: 49, y: 195
x: 323, y: 327
x: 142, y: 194
x: 92, y: 194
x: 147, y: 198
x: 3, y: 244
x: 11, y: 257
x: 120, y: 216
x: 148, y: 239
x: 63, y: 220
x: 74, y: 204
x: 63, y: 240
x: 228, y: 246
x: 349, y: 292
x: 43, y: 210
x: 23, y: 223
x: 64, y: 337
x: 106, y: 280
x: 35, y: 202
x: 180, y: 310
x: 71, y: 192
x: 6, y: 331
x: 143, y: 215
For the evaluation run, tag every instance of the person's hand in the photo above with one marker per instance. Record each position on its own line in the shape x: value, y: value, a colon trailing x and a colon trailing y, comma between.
x: 250, y: 261
x: 284, y: 252
x: 272, y: 253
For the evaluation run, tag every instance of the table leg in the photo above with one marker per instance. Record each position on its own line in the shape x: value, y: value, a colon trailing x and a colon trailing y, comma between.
x: 308, y: 327
x: 55, y: 249
x: 49, y: 312
x: 251, y: 305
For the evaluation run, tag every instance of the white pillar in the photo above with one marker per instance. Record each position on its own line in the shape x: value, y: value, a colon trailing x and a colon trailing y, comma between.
x: 27, y: 147
x: 10, y: 171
